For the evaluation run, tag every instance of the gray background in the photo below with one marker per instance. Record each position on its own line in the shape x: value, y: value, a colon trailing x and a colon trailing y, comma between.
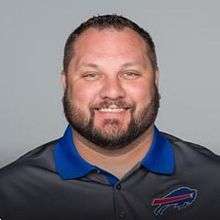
x: 187, y: 36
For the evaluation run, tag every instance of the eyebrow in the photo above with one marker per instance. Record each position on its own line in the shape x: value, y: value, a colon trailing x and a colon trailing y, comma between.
x: 125, y: 65
x: 89, y: 65
x: 92, y: 65
x: 129, y: 64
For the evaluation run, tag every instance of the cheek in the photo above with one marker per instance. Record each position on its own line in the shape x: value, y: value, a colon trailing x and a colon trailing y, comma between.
x: 141, y: 93
x: 82, y: 96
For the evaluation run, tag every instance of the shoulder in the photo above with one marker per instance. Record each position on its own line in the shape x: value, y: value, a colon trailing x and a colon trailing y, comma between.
x: 191, y: 157
x: 186, y: 147
x: 40, y: 157
x: 24, y: 176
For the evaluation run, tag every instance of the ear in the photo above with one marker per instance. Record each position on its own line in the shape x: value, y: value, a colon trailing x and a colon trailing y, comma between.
x: 63, y: 79
x: 157, y: 77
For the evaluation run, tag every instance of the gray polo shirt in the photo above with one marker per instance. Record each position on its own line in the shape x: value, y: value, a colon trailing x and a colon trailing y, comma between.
x: 175, y: 180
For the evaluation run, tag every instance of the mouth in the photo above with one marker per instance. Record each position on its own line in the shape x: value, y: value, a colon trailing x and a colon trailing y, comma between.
x: 112, y: 115
x: 112, y: 109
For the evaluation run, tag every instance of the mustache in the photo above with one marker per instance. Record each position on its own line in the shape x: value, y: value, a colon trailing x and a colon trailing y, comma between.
x: 108, y: 103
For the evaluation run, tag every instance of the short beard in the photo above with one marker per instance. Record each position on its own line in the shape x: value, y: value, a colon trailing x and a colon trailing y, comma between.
x: 115, y: 139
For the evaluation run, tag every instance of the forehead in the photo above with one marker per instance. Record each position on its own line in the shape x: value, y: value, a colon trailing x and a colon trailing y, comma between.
x: 124, y: 34
x: 109, y: 43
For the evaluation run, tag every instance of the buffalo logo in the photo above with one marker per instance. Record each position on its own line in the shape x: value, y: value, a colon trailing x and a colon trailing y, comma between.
x: 178, y: 198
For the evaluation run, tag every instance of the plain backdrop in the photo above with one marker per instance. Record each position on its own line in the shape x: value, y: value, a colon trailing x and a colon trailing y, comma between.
x: 33, y: 33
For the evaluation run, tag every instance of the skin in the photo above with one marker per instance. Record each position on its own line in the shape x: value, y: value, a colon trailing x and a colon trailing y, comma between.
x: 111, y: 65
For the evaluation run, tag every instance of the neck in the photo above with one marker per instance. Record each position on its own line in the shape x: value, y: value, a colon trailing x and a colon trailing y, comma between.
x: 119, y: 161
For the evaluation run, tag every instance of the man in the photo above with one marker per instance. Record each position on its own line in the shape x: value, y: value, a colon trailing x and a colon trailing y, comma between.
x: 112, y: 162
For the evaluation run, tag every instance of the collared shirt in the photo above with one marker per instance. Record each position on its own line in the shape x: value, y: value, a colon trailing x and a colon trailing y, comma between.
x: 70, y: 165
x: 54, y: 182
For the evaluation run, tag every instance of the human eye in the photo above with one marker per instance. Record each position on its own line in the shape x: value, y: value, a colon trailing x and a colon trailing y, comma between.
x: 131, y: 75
x: 90, y: 75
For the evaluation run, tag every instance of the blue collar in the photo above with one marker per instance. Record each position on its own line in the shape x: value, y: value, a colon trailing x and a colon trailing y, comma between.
x: 70, y: 165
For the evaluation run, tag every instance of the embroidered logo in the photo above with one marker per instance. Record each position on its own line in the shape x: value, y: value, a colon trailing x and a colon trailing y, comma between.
x: 178, y: 198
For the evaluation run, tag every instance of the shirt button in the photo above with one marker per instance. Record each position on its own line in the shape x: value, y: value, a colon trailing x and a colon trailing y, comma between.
x: 122, y: 214
x: 118, y: 186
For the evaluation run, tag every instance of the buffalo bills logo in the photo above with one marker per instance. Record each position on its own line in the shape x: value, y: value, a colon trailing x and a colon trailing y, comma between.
x: 178, y: 198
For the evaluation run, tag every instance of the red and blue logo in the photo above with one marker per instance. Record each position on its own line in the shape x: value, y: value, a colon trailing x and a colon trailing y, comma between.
x: 179, y: 198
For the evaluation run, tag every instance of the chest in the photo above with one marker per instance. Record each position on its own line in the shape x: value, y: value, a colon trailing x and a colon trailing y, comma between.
x: 141, y: 196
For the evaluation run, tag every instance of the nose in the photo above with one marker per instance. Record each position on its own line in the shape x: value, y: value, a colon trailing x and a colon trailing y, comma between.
x: 112, y: 89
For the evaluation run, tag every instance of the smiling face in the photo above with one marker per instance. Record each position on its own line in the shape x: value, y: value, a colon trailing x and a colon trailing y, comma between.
x: 111, y: 95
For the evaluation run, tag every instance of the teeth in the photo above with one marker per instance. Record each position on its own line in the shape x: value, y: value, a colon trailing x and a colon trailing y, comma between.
x: 111, y: 109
